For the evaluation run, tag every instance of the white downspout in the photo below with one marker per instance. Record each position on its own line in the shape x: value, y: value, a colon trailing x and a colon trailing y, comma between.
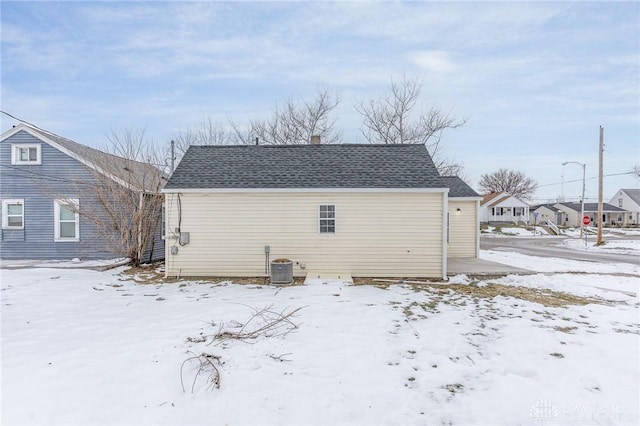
x: 477, y: 229
x: 445, y: 213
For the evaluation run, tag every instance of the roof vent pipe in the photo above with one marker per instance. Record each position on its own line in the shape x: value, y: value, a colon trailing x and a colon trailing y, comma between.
x: 315, y: 140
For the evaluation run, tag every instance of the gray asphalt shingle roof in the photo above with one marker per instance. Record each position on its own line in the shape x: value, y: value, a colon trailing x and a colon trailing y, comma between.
x: 634, y: 194
x: 551, y: 207
x: 306, y: 166
x: 142, y: 176
x: 458, y: 188
x: 592, y: 207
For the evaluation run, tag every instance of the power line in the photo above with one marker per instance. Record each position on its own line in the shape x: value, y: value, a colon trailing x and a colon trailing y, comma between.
x: 580, y: 180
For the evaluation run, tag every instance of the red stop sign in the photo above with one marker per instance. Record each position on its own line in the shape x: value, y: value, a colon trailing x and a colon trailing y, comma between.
x: 586, y: 220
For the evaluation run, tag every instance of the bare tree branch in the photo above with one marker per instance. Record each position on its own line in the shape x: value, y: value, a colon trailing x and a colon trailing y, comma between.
x: 391, y: 119
x: 510, y: 181
x: 124, y: 190
x: 295, y: 122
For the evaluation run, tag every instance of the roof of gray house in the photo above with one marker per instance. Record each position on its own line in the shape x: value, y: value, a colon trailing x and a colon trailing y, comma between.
x: 634, y: 194
x: 306, y: 166
x: 142, y: 176
x: 458, y: 188
x: 548, y: 206
x: 592, y: 207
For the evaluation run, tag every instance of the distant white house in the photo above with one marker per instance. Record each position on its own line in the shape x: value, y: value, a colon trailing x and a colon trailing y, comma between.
x: 629, y: 200
x: 503, y: 207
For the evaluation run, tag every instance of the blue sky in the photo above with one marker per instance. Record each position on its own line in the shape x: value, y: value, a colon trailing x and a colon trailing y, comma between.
x: 535, y: 79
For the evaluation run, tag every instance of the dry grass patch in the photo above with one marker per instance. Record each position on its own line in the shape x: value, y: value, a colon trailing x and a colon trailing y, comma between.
x: 544, y: 297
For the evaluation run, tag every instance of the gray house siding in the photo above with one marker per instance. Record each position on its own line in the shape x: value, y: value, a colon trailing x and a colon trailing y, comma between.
x: 58, y: 176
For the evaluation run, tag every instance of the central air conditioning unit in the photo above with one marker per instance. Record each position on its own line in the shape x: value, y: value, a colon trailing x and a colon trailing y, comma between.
x: 281, y: 271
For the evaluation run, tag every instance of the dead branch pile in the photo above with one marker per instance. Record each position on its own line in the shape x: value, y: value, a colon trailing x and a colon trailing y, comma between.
x: 265, y: 322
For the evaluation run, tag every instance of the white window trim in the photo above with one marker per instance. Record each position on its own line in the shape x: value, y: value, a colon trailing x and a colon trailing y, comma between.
x: 56, y: 219
x: 15, y: 159
x: 5, y: 213
x: 335, y: 219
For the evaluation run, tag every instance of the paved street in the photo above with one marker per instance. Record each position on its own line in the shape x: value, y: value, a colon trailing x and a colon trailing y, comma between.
x: 549, y: 247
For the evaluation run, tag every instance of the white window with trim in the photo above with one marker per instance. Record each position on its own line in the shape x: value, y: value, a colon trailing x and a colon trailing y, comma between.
x: 12, y: 214
x: 26, y: 154
x: 327, y: 219
x: 66, y: 220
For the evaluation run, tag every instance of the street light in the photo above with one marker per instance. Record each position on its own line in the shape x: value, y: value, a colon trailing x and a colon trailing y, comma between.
x: 584, y: 169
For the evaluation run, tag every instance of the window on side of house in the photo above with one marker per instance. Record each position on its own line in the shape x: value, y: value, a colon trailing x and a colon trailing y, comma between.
x: 67, y: 220
x: 26, y: 154
x: 12, y: 214
x: 619, y: 202
x: 327, y: 219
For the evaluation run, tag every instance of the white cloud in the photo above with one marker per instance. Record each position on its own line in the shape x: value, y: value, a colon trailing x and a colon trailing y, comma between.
x: 433, y: 61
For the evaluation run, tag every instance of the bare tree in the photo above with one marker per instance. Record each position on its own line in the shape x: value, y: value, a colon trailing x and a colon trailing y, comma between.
x: 635, y: 170
x: 295, y: 122
x: 125, y: 192
x: 511, y: 181
x: 206, y: 132
x: 392, y: 119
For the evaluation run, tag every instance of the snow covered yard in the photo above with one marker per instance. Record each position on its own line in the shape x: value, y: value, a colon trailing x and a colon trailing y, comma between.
x: 87, y: 347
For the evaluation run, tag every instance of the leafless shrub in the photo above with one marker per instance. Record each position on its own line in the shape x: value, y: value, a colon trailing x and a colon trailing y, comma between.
x: 206, y: 364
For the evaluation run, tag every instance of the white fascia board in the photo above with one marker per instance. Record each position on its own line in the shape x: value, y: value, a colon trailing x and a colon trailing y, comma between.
x: 465, y: 198
x: 301, y: 190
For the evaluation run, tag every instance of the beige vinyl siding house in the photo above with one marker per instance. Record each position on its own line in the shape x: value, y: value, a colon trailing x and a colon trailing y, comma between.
x: 362, y: 210
x: 463, y: 223
x: 464, y: 219
x: 370, y: 239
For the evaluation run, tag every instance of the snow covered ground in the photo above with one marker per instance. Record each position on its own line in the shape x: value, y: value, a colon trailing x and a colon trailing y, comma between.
x: 86, y: 347
x: 610, y: 246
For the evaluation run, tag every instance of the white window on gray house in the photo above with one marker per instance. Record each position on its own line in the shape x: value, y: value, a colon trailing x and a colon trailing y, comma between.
x: 67, y: 220
x: 29, y: 154
x: 13, y: 214
x: 619, y: 202
x: 327, y: 219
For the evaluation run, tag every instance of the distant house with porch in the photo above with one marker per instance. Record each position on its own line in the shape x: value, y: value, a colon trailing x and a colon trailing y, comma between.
x: 611, y: 215
x: 503, y: 207
x: 629, y: 200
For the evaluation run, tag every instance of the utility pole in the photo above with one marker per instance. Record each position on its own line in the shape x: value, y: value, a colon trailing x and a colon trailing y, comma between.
x: 600, y: 176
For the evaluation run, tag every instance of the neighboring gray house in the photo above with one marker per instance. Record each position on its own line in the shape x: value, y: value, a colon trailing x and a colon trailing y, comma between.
x: 360, y: 209
x: 611, y: 215
x: 629, y: 200
x: 49, y: 190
